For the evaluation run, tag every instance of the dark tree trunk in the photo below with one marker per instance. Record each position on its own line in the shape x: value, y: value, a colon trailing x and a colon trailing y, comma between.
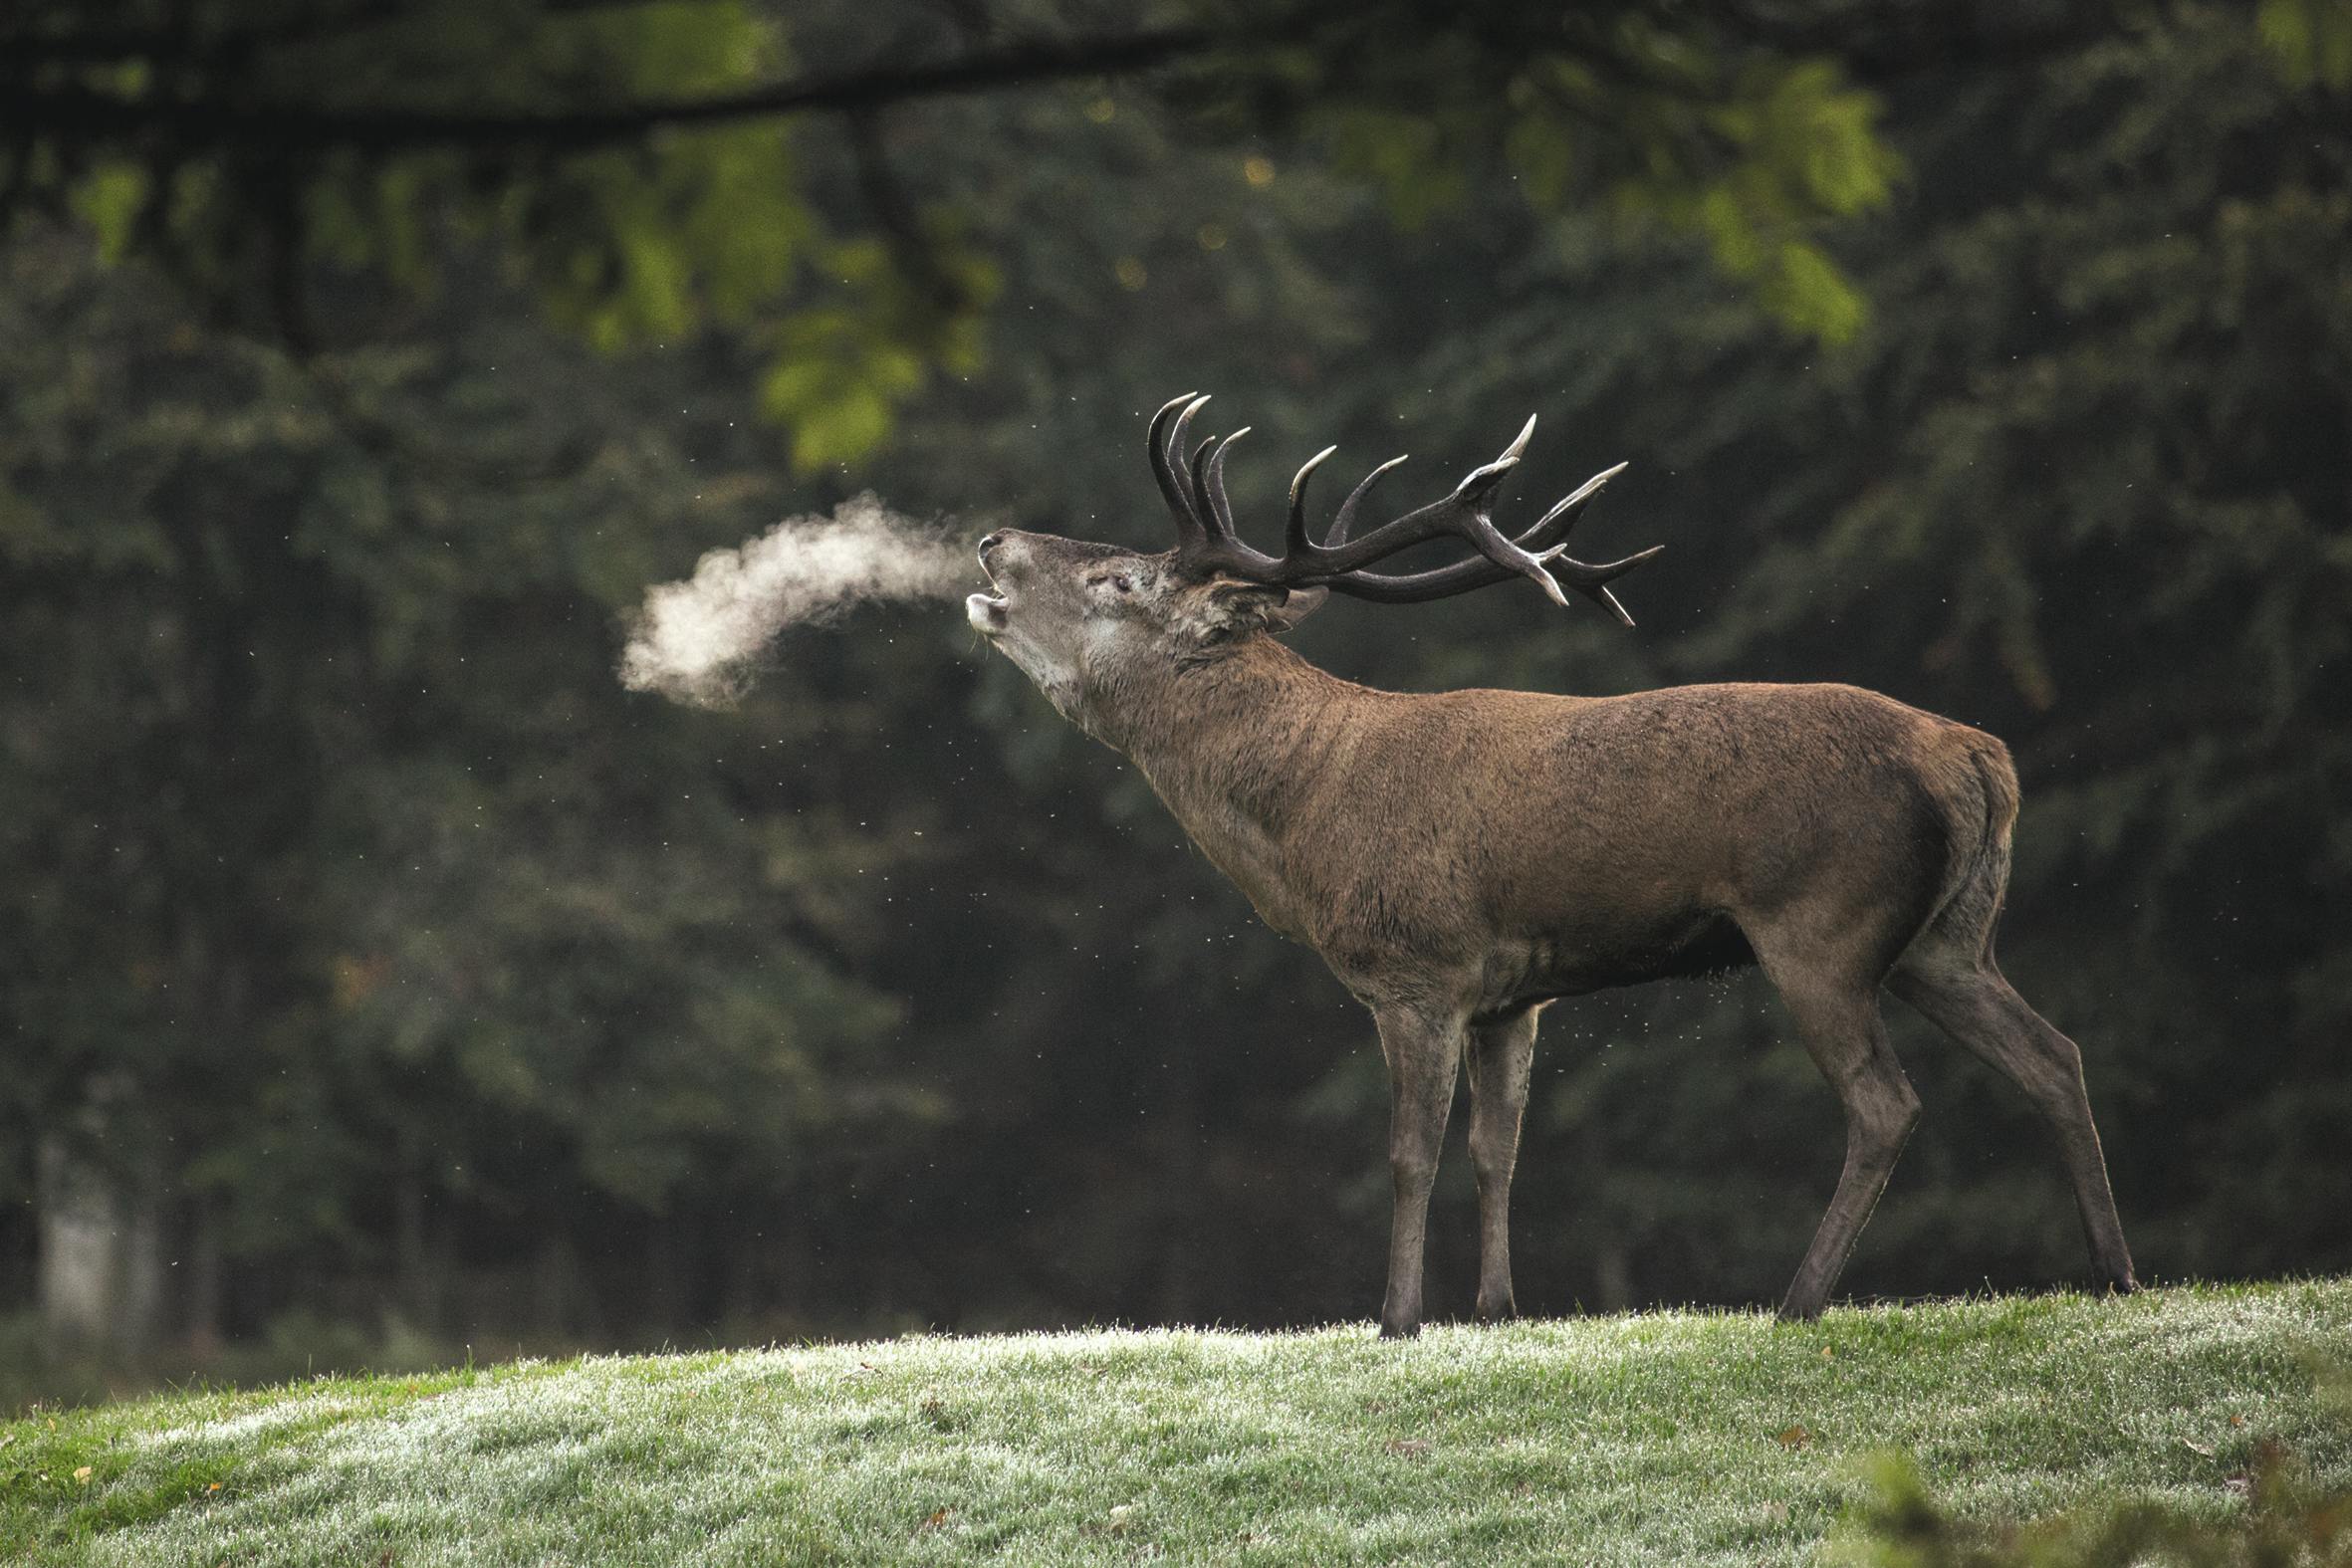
x: 418, y: 1289
x: 202, y: 1313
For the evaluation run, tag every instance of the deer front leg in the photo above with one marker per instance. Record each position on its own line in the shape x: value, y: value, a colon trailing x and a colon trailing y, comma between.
x: 1500, y: 1057
x: 1424, y: 1055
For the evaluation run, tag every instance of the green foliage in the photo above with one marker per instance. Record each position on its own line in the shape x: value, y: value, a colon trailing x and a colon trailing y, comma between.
x: 2312, y: 40
x: 109, y: 200
x: 629, y: 241
x: 2286, y: 1519
x: 496, y: 119
x: 842, y: 370
x: 1812, y: 148
x: 2284, y: 1513
x: 1758, y: 156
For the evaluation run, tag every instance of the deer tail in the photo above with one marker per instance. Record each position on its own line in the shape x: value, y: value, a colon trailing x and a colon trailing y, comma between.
x: 1977, y: 880
x: 1999, y: 776
x: 1979, y: 804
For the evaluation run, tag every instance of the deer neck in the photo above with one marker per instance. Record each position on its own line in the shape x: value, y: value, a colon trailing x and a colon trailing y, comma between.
x: 1237, y: 746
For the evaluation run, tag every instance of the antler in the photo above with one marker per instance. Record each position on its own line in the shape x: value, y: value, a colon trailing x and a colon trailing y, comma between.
x: 1206, y: 542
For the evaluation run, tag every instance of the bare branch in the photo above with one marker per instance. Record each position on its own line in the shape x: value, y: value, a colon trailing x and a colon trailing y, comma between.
x: 214, y: 120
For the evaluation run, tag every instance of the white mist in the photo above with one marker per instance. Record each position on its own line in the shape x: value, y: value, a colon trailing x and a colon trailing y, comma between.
x: 698, y: 642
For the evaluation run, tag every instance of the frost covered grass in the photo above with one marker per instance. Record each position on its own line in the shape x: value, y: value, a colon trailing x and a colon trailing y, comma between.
x: 1672, y: 1437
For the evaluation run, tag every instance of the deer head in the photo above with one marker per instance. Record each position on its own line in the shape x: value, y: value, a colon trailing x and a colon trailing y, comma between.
x: 1085, y: 621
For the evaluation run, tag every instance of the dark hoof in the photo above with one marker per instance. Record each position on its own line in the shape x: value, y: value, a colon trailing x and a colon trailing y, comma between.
x: 1502, y: 1313
x: 1400, y: 1331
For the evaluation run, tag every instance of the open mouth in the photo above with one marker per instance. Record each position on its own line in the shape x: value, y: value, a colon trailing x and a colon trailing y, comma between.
x: 986, y: 611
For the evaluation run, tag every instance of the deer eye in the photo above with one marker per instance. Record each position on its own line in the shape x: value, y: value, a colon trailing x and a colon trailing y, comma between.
x: 1122, y: 584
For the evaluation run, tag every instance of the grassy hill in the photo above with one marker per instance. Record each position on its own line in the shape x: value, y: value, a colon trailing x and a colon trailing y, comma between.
x: 1675, y: 1437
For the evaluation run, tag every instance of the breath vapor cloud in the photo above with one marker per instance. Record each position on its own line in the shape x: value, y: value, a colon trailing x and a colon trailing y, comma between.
x: 699, y: 641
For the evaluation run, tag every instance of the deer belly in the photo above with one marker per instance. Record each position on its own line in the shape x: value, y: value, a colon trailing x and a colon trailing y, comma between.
x: 1705, y: 942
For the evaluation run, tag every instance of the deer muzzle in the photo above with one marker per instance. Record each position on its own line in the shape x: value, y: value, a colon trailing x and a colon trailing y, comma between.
x: 986, y: 611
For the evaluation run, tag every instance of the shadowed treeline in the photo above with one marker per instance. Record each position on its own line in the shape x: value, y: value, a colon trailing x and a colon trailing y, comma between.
x: 379, y: 976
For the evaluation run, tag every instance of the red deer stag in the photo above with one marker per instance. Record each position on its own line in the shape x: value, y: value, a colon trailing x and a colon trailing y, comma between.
x: 1463, y: 859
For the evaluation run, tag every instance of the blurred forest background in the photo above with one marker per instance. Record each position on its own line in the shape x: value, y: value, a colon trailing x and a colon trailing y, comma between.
x: 380, y: 983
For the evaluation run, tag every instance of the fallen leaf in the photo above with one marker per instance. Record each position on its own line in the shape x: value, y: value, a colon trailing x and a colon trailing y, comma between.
x: 6, y: 1439
x: 215, y: 1487
x: 1828, y: 1354
x: 1792, y: 1437
x: 1408, y: 1447
x: 938, y: 1518
x: 83, y: 1474
x: 1119, y: 1517
x: 1775, y: 1513
x: 2237, y: 1420
x: 2196, y: 1447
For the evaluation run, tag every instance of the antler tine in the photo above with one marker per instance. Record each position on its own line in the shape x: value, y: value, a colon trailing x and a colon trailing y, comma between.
x: 1296, y: 542
x: 1163, y: 472
x: 1461, y: 513
x: 1197, y: 476
x: 1486, y: 476
x: 1544, y: 535
x: 1208, y: 488
x: 1567, y: 508
x: 1593, y: 582
x: 1346, y: 518
x: 1193, y: 528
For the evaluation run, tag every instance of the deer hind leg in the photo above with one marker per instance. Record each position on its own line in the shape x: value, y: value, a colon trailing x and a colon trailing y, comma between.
x: 1499, y: 1057
x: 1957, y: 987
x: 1424, y: 1055
x: 1836, y: 1013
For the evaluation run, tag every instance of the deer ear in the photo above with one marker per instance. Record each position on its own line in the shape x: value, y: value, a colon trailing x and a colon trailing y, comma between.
x: 1301, y: 603
x: 1235, y: 607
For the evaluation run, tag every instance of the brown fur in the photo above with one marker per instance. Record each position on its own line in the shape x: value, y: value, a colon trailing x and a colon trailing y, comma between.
x: 1462, y: 859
